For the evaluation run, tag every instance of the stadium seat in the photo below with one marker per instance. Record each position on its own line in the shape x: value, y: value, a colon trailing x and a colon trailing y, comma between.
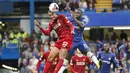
x: 12, y: 45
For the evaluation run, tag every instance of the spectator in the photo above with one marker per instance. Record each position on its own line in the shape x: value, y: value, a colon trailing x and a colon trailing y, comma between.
x: 123, y: 35
x: 104, y: 10
x: 107, y: 38
x: 128, y: 4
x: 125, y: 8
x: 46, y: 46
x: 34, y: 61
x: 44, y: 37
x: 128, y: 51
x: 31, y: 67
x: 28, y: 53
x: 62, y: 5
x: 90, y: 9
x: 83, y: 4
x: 114, y: 36
x: 74, y: 4
x: 23, y: 67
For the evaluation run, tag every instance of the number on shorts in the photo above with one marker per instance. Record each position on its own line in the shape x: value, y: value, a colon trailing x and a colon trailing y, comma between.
x: 64, y: 44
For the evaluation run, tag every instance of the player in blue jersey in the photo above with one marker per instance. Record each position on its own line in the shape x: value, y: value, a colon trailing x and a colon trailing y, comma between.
x: 107, y: 58
x: 79, y: 21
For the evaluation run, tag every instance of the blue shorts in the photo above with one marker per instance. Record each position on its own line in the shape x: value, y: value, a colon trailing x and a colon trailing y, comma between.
x: 81, y: 45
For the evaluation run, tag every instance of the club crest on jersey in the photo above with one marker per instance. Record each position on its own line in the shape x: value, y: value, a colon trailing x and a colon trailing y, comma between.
x: 80, y: 63
x: 109, y: 58
x: 56, y: 26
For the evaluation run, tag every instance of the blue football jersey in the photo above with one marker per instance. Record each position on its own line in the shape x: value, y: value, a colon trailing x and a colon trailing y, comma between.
x: 77, y: 29
x: 106, y: 60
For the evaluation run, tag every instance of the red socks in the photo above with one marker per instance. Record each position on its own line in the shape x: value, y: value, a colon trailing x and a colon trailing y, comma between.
x: 47, y: 66
x: 58, y: 66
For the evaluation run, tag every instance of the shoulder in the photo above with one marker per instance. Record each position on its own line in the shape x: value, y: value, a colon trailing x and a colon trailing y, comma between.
x: 62, y: 16
x: 51, y: 22
x: 86, y: 57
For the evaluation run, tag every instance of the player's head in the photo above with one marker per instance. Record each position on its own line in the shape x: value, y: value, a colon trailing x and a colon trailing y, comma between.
x: 53, y: 8
x: 78, y: 13
x: 106, y: 47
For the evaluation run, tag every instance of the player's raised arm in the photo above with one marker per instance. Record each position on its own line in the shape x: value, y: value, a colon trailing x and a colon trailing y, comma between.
x: 46, y: 32
x: 76, y: 16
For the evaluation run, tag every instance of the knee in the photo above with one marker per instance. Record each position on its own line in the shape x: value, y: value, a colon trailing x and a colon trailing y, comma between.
x: 89, y: 54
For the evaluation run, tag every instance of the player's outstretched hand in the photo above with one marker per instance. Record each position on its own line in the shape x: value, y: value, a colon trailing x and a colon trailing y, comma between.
x: 72, y: 13
x: 36, y: 23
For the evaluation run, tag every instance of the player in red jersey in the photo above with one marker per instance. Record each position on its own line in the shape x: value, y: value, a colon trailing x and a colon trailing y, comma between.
x: 45, y: 57
x: 78, y: 62
x: 64, y: 30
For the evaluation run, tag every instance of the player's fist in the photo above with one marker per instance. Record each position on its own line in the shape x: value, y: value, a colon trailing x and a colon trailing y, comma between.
x: 72, y: 13
x: 36, y: 23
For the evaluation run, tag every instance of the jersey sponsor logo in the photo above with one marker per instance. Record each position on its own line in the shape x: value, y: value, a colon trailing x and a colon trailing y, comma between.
x: 106, y: 61
x: 80, y: 63
x: 56, y: 26
x: 64, y: 44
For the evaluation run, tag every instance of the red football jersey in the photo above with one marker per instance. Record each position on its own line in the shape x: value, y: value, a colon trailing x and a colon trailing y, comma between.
x: 45, y: 57
x: 61, y: 25
x: 78, y: 64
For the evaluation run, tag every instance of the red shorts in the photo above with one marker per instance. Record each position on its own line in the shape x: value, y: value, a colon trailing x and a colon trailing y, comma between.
x: 64, y: 42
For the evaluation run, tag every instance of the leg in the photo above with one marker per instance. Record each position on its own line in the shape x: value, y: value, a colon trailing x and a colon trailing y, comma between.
x: 65, y: 63
x: 53, y: 53
x: 62, y: 55
x: 86, y: 50
x: 66, y: 44
x: 68, y: 58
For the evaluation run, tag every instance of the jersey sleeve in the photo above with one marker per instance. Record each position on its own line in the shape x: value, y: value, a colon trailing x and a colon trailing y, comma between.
x: 85, y: 20
x: 67, y: 22
x: 47, y: 31
x: 114, y: 60
x: 72, y: 63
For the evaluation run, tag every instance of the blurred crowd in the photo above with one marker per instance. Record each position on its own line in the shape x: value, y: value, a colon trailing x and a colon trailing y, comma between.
x: 89, y: 5
x: 123, y: 5
x: 73, y: 4
x: 33, y: 46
